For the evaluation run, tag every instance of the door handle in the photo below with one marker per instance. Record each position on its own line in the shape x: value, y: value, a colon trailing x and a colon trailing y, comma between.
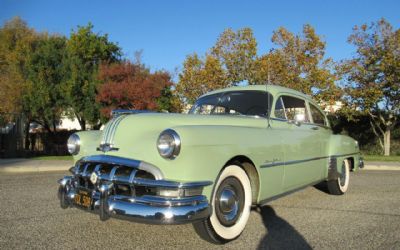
x: 315, y: 128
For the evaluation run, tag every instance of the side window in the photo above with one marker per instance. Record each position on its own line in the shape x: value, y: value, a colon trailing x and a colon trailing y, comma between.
x: 280, y: 109
x: 291, y: 108
x: 317, y: 115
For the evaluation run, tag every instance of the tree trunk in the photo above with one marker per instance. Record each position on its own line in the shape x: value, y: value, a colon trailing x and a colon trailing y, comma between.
x: 82, y: 122
x: 386, y: 142
x: 27, y: 141
x: 378, y: 136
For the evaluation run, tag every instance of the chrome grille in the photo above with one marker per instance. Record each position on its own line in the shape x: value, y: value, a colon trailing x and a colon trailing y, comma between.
x: 124, y: 178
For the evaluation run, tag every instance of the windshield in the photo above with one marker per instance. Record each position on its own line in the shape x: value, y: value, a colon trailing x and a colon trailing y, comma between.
x: 249, y: 102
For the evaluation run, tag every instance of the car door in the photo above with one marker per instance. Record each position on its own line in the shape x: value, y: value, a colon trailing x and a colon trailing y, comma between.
x: 301, y: 144
x: 321, y: 126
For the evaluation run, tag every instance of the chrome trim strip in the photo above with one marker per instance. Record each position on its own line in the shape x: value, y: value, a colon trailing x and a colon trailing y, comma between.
x: 117, y: 112
x: 274, y: 164
x: 170, y: 184
x: 106, y: 132
x: 303, y: 123
x: 114, y: 128
x: 109, y: 130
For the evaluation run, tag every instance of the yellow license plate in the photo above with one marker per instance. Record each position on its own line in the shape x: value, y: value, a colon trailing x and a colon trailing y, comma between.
x: 82, y: 198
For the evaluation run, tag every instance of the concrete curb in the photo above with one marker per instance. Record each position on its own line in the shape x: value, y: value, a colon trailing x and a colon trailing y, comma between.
x: 32, y: 169
x: 32, y: 166
x: 381, y: 167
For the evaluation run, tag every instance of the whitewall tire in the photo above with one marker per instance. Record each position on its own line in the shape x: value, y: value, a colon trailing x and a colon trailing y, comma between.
x: 231, y: 203
x: 341, y: 184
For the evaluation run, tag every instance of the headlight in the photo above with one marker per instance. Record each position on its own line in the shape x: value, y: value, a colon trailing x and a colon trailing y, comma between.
x: 169, y: 144
x: 74, y: 144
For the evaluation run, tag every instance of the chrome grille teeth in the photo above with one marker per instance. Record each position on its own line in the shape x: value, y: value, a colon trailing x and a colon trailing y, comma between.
x: 122, y: 176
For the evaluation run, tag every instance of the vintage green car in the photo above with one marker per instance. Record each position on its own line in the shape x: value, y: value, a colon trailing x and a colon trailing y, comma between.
x: 238, y: 147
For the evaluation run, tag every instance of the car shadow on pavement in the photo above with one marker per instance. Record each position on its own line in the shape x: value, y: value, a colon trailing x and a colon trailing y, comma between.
x: 280, y: 234
x: 322, y: 186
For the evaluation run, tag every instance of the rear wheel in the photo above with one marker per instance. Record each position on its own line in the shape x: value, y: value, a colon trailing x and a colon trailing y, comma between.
x: 341, y: 184
x: 231, y: 202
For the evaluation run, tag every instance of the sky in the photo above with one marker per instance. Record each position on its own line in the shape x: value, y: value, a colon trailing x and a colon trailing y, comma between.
x: 168, y: 31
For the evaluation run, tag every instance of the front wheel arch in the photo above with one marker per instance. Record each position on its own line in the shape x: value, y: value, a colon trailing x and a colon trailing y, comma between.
x: 251, y: 171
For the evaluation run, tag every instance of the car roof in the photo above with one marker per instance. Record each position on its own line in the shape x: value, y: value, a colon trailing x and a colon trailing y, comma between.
x: 273, y: 89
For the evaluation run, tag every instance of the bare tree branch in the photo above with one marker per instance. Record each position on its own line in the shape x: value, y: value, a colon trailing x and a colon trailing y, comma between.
x: 376, y: 133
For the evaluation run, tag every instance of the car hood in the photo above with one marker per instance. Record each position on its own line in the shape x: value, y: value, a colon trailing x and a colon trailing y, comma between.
x: 132, y: 135
x: 125, y: 125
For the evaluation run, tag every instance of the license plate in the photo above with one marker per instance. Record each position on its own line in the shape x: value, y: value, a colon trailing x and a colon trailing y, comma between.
x: 83, y: 199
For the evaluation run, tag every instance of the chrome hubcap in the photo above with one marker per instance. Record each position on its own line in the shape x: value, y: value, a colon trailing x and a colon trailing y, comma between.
x: 229, y: 201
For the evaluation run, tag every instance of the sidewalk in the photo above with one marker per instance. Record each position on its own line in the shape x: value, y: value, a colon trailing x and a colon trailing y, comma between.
x: 20, y: 165
x: 28, y: 165
x: 377, y: 165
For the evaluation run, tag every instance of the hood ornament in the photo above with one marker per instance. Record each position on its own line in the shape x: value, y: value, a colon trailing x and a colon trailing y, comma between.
x: 106, y: 147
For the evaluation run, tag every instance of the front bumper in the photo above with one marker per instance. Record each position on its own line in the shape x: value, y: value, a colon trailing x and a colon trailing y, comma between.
x: 185, y: 206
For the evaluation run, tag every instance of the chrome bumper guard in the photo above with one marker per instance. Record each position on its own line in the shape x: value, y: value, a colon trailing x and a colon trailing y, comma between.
x: 361, y: 162
x: 174, y: 202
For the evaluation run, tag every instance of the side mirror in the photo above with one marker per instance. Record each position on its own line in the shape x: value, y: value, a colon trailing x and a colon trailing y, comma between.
x: 298, y: 119
x: 297, y: 123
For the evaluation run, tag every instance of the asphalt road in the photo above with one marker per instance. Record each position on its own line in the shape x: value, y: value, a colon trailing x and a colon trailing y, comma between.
x: 367, y: 217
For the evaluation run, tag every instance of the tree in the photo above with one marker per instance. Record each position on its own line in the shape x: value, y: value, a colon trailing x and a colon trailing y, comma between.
x: 132, y: 86
x: 167, y: 101
x: 17, y: 41
x: 372, y: 77
x: 44, y: 100
x: 200, y: 77
x: 229, y: 62
x: 87, y: 50
x: 298, y: 62
x: 236, y: 52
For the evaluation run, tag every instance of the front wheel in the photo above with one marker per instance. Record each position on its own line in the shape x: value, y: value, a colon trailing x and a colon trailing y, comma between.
x: 341, y: 184
x: 231, y: 203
